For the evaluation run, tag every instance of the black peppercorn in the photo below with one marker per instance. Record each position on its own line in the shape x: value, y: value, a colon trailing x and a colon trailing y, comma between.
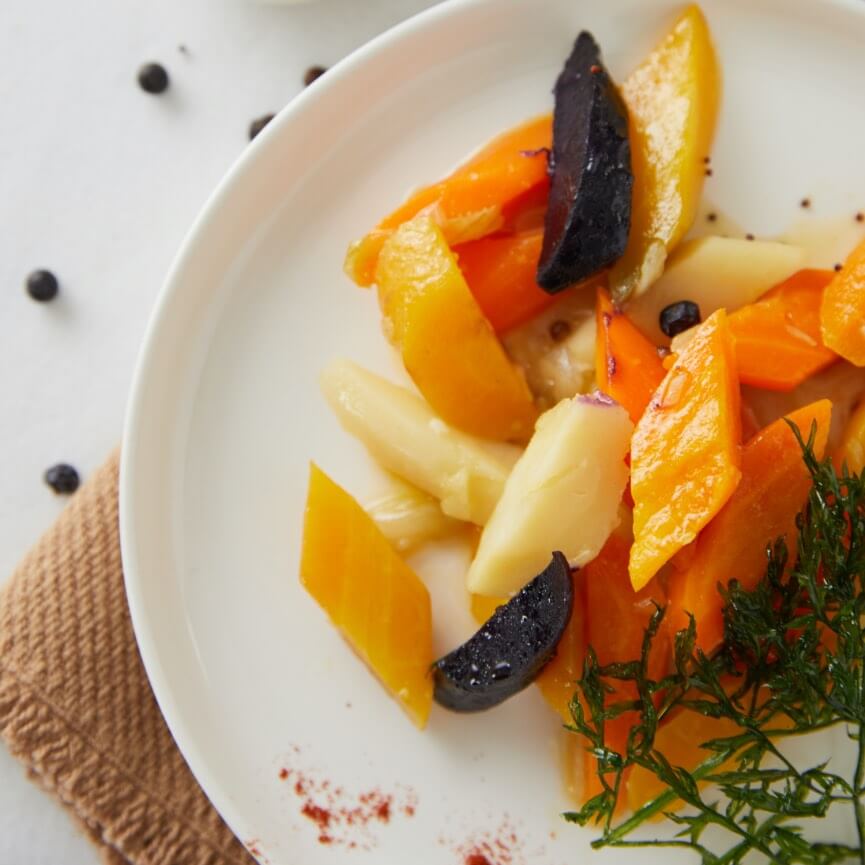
x: 62, y: 478
x: 313, y: 73
x: 258, y: 124
x: 153, y: 78
x: 42, y: 285
x: 679, y: 317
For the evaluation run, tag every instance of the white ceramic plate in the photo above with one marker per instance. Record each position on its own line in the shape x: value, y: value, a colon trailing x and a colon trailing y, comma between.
x: 225, y: 413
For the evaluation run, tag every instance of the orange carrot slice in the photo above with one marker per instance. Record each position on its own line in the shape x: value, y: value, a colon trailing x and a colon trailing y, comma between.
x: 378, y: 603
x: 774, y: 488
x: 479, y: 198
x: 447, y: 345
x: 616, y: 620
x: 685, y: 449
x: 843, y: 310
x: 778, y: 339
x: 500, y: 271
x: 627, y: 365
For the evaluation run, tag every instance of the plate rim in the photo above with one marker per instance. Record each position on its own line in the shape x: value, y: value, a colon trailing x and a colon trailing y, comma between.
x: 233, y: 180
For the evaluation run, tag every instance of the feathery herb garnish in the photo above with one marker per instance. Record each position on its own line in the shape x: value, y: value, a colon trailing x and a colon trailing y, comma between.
x: 792, y: 663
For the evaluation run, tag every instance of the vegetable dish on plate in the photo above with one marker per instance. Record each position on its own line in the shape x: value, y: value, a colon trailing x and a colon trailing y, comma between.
x: 652, y: 441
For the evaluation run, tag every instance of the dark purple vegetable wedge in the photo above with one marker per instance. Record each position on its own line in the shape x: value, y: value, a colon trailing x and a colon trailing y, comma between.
x: 589, y: 211
x: 510, y: 650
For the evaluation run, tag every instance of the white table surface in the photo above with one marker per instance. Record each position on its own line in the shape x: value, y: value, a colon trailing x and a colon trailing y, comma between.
x: 99, y: 182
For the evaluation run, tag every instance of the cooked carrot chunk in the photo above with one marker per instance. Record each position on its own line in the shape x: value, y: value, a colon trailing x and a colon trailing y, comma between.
x: 627, y: 366
x: 685, y: 449
x: 475, y: 200
x: 500, y: 271
x: 774, y: 488
x: 778, y: 339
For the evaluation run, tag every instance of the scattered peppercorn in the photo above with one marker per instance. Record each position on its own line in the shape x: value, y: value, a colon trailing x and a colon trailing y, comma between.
x: 805, y: 203
x: 860, y: 217
x: 42, y: 285
x: 62, y: 478
x: 153, y: 78
x: 708, y: 172
x: 837, y: 267
x: 258, y: 124
x: 559, y: 330
x: 749, y: 236
x: 679, y: 317
x: 707, y: 160
x: 712, y: 217
x: 312, y: 74
x: 183, y: 49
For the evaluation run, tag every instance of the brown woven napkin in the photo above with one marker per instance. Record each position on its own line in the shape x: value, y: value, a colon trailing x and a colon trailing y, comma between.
x: 76, y: 707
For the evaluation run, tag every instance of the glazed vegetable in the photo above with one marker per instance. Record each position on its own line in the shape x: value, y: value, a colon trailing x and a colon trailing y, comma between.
x: 616, y: 617
x: 627, y: 365
x: 797, y: 645
x: 774, y: 488
x: 500, y: 271
x: 477, y: 199
x: 563, y: 493
x: 511, y: 648
x: 672, y: 100
x: 467, y: 475
x: 447, y: 345
x: 408, y: 517
x: 378, y: 603
x: 851, y: 450
x: 715, y: 273
x: 589, y: 209
x: 778, y: 339
x: 685, y: 450
x: 556, y: 680
x: 843, y: 309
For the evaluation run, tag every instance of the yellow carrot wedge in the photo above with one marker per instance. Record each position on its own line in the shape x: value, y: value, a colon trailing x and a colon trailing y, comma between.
x: 378, y: 603
x: 672, y: 100
x: 447, y: 345
x: 685, y: 449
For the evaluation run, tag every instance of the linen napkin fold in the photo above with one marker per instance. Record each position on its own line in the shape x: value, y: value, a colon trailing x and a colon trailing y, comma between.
x: 75, y: 704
